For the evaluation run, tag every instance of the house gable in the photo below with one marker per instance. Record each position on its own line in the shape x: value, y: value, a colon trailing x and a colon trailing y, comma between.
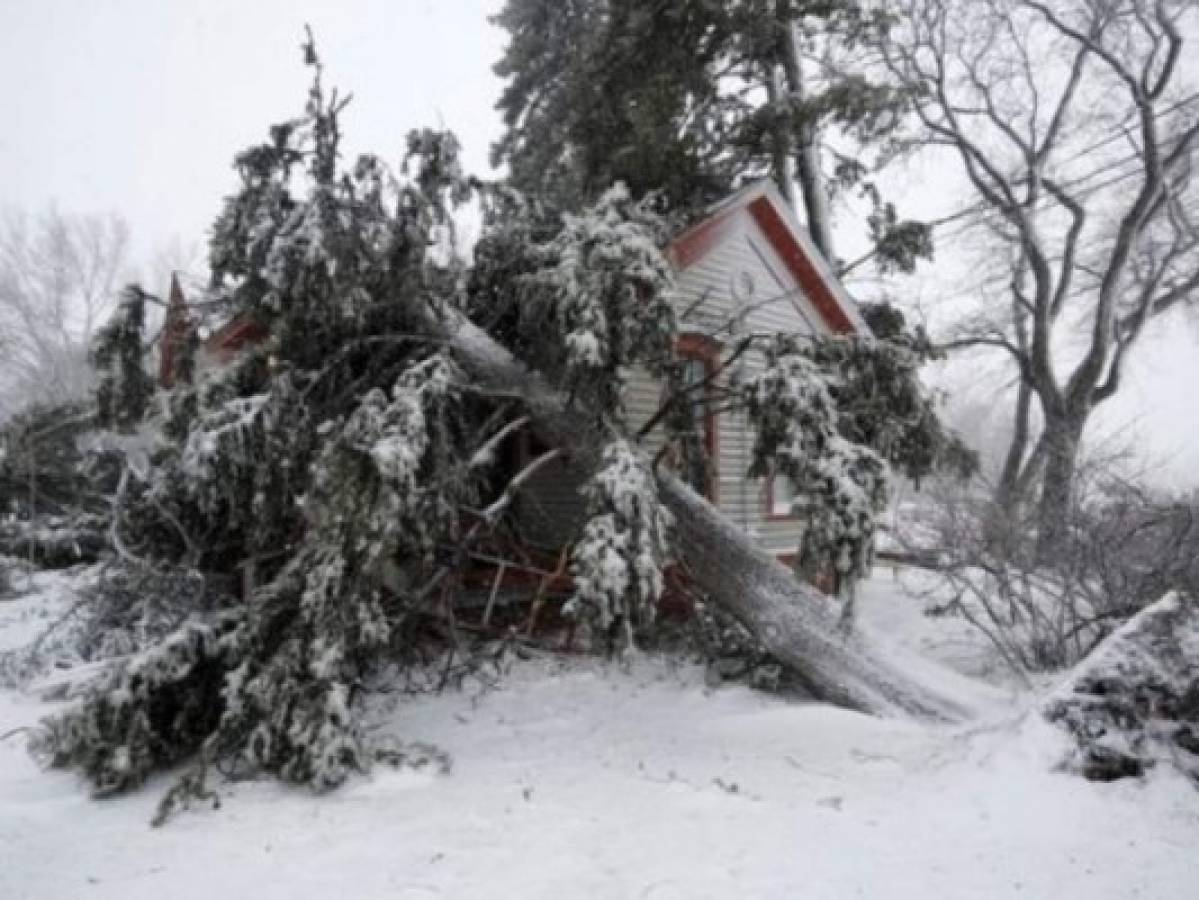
x: 758, y: 215
x: 749, y: 268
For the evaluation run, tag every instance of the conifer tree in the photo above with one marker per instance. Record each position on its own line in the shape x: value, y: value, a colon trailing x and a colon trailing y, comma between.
x: 688, y: 100
x: 53, y: 482
x: 117, y: 354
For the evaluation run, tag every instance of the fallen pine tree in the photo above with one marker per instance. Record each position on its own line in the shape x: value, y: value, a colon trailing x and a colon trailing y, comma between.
x: 343, y: 471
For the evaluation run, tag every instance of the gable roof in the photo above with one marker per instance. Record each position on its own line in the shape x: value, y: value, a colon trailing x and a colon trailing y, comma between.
x: 238, y: 332
x: 763, y: 203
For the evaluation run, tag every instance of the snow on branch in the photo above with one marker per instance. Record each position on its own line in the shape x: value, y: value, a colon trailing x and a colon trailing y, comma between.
x: 403, y: 499
x: 840, y: 485
x: 604, y: 282
x: 617, y: 562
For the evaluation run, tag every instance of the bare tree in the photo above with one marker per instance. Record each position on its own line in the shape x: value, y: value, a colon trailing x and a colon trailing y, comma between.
x: 58, y: 281
x: 1077, y: 131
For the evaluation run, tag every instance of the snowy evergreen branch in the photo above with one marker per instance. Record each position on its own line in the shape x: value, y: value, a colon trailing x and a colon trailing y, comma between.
x: 618, y: 560
x: 124, y: 388
x: 592, y: 300
x: 840, y: 485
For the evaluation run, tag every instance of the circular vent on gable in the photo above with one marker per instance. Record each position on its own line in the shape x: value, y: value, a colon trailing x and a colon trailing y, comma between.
x: 742, y: 286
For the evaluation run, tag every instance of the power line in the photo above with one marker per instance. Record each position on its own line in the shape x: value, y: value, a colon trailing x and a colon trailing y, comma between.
x: 1172, y: 108
x: 982, y: 205
x: 1047, y: 203
x: 999, y: 278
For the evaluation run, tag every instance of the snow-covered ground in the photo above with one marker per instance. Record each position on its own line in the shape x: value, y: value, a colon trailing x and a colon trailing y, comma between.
x: 580, y: 779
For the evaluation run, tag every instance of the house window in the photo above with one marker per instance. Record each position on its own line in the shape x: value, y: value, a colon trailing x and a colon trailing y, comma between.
x: 780, y: 497
x: 699, y: 356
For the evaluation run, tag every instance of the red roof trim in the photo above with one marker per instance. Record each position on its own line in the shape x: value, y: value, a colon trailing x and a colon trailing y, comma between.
x: 235, y: 334
x: 696, y: 241
x: 706, y: 349
x: 801, y: 266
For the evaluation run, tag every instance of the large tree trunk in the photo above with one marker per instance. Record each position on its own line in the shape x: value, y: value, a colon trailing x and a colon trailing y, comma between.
x: 807, y: 148
x: 797, y: 624
x: 1003, y: 520
x: 1007, y: 495
x: 780, y: 143
x: 1060, y: 440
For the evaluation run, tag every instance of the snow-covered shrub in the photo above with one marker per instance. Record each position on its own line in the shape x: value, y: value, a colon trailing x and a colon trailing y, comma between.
x: 618, y: 559
x: 1134, y: 701
x: 52, y: 484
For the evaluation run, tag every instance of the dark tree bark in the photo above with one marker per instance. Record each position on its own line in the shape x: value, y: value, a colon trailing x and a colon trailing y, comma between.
x: 780, y: 140
x: 1060, y: 441
x: 1007, y: 493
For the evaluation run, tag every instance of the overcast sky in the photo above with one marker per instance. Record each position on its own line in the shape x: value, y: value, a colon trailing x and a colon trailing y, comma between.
x: 137, y: 107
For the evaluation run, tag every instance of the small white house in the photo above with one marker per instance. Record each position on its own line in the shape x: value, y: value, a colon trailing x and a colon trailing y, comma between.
x: 749, y: 267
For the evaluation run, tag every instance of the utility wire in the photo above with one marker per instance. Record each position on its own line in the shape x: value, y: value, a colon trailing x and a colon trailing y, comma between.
x: 982, y: 205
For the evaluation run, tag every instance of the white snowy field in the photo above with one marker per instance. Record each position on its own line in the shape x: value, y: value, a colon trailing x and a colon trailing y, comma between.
x: 580, y: 779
